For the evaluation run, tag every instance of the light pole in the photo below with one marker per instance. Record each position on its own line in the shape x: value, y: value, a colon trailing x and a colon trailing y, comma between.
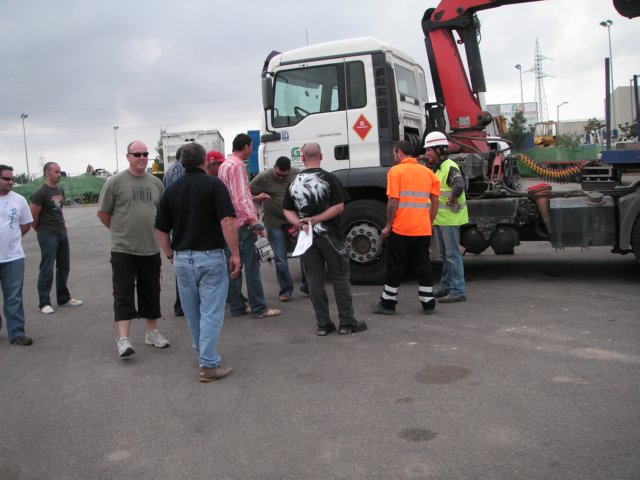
x: 607, y: 24
x: 24, y: 134
x: 519, y: 67
x: 115, y: 139
x: 558, y: 117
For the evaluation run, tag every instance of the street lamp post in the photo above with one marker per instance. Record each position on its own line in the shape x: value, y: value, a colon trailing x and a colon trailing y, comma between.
x: 24, y: 134
x: 519, y: 67
x: 115, y: 139
x: 607, y: 24
x: 558, y: 117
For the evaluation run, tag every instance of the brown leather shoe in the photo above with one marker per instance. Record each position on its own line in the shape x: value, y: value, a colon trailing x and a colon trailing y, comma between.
x: 211, y: 374
x: 270, y: 312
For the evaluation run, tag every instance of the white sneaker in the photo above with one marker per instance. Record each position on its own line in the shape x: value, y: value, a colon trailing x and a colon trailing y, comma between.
x: 72, y: 303
x: 156, y: 339
x: 125, y: 349
x: 47, y: 309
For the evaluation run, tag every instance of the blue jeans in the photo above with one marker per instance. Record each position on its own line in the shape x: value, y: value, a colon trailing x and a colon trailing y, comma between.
x: 251, y: 267
x: 11, y: 278
x: 54, y: 249
x: 452, y: 279
x: 203, y: 281
x: 278, y: 240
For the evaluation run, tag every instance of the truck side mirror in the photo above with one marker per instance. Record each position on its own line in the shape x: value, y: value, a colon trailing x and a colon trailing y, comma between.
x: 267, y: 93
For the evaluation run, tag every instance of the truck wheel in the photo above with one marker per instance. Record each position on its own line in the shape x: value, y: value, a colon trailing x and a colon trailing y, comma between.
x: 635, y: 238
x: 362, y: 222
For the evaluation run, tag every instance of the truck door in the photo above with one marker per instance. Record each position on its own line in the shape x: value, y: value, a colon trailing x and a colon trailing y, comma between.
x: 309, y: 106
x: 362, y: 116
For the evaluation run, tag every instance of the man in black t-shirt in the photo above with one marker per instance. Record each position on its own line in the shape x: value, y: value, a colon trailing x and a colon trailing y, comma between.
x: 315, y: 199
x: 197, y: 208
x: 48, y: 222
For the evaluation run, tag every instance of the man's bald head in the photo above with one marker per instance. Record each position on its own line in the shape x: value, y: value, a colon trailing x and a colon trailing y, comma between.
x: 311, y: 155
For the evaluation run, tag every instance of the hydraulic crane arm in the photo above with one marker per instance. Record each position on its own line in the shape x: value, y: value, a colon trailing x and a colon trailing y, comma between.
x: 452, y: 87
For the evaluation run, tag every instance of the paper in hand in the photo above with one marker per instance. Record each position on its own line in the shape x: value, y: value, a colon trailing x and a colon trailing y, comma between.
x: 305, y: 240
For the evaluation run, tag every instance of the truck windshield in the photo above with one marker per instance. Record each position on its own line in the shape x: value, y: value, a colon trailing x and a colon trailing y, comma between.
x: 304, y: 91
x: 309, y: 90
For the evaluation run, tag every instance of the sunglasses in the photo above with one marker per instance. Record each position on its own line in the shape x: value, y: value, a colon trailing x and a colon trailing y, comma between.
x: 8, y: 179
x: 139, y: 154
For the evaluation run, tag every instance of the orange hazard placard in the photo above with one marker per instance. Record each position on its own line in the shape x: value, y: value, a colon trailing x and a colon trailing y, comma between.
x: 362, y: 127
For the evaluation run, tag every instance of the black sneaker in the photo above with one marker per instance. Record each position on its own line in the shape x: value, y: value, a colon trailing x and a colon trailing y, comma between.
x: 379, y: 308
x: 325, y: 330
x: 452, y: 299
x: 355, y: 327
x: 429, y: 308
x: 23, y: 341
x: 440, y: 294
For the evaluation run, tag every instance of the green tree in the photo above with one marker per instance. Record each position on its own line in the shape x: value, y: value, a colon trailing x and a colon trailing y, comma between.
x: 518, y: 130
x: 21, y: 179
x: 628, y: 129
x: 592, y: 124
x: 568, y: 140
x: 159, y: 161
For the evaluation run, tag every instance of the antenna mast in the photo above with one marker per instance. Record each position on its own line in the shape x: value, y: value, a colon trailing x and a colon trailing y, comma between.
x: 541, y: 98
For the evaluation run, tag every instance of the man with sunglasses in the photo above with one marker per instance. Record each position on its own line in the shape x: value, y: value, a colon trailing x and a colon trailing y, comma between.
x: 15, y: 222
x: 269, y: 188
x: 127, y: 206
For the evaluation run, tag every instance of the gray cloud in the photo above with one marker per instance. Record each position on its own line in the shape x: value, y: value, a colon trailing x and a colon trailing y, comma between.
x: 80, y: 67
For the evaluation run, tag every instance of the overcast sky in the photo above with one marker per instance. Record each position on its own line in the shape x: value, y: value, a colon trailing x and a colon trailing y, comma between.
x: 79, y: 68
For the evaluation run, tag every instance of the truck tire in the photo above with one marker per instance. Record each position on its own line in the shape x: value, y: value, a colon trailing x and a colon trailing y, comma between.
x: 635, y: 238
x: 362, y: 222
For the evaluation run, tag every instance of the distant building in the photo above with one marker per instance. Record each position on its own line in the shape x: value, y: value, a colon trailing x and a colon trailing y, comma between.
x: 623, y: 104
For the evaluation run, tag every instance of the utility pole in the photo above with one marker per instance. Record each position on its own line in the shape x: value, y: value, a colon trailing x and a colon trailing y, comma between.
x: 24, y: 134
x: 115, y: 138
x: 607, y: 24
x: 558, y: 117
x: 519, y: 67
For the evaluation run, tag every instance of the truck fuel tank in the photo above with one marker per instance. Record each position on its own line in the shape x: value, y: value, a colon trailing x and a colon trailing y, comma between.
x: 583, y: 221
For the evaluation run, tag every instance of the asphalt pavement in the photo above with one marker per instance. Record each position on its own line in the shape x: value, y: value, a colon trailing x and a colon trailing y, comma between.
x: 537, y: 375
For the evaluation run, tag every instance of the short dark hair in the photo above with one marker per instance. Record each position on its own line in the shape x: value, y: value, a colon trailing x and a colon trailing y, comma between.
x: 192, y: 155
x: 46, y: 166
x: 405, y: 147
x: 178, y: 153
x: 283, y: 163
x: 5, y: 167
x: 241, y: 141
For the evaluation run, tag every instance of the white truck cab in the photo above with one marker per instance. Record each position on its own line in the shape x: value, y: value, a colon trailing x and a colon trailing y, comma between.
x: 355, y: 98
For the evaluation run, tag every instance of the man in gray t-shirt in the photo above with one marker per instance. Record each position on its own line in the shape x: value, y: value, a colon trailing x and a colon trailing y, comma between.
x: 127, y: 207
x: 48, y: 222
x: 269, y: 187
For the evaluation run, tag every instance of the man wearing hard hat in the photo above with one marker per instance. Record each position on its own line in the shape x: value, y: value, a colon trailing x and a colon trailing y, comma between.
x: 451, y: 214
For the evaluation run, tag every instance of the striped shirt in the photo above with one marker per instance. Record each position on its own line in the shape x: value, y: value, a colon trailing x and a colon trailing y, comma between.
x: 233, y: 174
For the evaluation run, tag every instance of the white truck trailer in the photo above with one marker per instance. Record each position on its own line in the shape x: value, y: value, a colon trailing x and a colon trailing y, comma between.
x: 171, y: 141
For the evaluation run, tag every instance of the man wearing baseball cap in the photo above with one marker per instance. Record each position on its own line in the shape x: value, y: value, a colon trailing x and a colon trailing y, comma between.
x: 213, y: 162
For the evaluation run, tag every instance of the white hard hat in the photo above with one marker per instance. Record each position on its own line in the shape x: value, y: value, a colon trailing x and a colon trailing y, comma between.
x: 436, y: 139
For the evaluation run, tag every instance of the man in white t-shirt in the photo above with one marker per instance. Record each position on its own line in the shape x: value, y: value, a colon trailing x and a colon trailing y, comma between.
x: 15, y: 222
